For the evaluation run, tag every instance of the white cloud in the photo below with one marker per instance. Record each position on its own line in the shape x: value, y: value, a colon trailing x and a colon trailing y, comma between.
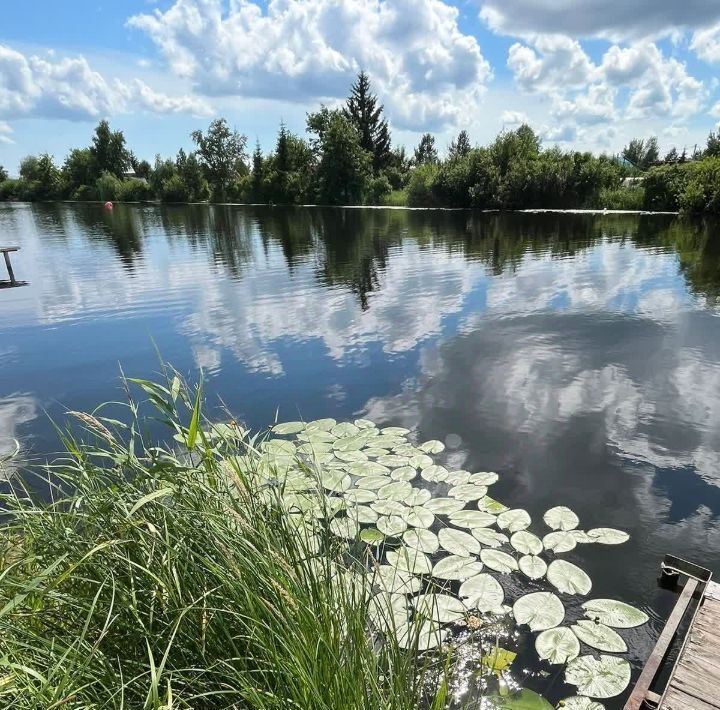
x: 706, y: 43
x: 5, y: 132
x: 612, y: 19
x: 427, y: 71
x: 513, y: 118
x: 51, y: 87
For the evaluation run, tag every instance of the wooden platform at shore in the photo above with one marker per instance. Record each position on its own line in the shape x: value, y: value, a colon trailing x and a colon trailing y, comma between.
x: 694, y: 679
x: 6, y: 251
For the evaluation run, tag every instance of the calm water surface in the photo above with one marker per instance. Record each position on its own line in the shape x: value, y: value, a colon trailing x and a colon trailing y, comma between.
x: 578, y: 356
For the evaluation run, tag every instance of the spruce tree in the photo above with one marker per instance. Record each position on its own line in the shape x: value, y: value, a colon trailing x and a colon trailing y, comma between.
x: 366, y: 115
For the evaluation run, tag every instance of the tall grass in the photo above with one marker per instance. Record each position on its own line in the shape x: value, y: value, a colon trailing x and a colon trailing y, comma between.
x: 148, y: 577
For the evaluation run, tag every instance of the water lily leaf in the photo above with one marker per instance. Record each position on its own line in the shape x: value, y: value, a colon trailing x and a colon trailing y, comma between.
x: 514, y: 520
x: 524, y: 699
x: 434, y: 474
x: 581, y: 536
x: 288, y: 428
x: 314, y: 449
x: 392, y: 580
x: 444, y: 506
x: 558, y: 645
x: 344, y: 429
x: 526, y: 543
x: 490, y: 505
x: 439, y: 607
x: 368, y: 468
x: 349, y: 443
x: 403, y: 473
x: 363, y: 514
x: 371, y: 536
x: 345, y: 527
x: 278, y: 446
x: 488, y: 537
x: 568, y: 578
x: 394, y: 431
x: 419, y: 517
x: 423, y: 540
x: 388, y: 611
x: 432, y: 447
x: 397, y: 490
x: 605, y: 677
x: 561, y: 518
x: 482, y: 592
x: 559, y: 542
x: 405, y: 449
x: 456, y: 478
x: 315, y: 436
x: 420, y: 461
x: 614, y: 613
x: 373, y: 452
x: 391, y: 525
x: 364, y: 424
x: 418, y: 496
x: 471, y: 519
x: 389, y: 507
x: 484, y: 478
x: 360, y: 495
x: 539, y: 610
x: 334, y: 480
x: 608, y: 536
x: 532, y: 566
x: 372, y: 483
x: 498, y: 561
x: 458, y: 543
x: 386, y: 442
x: 599, y: 636
x: 420, y: 637
x: 350, y: 456
x: 409, y: 560
x: 453, y: 567
x: 393, y: 461
x: 498, y: 660
x: 580, y: 702
x: 321, y: 425
x: 467, y: 491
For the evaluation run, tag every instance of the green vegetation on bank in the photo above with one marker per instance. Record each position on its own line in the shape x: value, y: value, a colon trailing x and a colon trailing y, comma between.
x: 348, y: 158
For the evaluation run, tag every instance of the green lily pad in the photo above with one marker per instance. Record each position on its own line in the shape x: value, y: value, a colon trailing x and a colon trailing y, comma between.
x: 539, y: 610
x: 432, y: 447
x: 526, y: 543
x: 568, y: 578
x: 288, y: 428
x: 408, y: 560
x: 394, y: 581
x: 444, y: 506
x: 561, y: 518
x: 345, y: 527
x: 423, y: 540
x: 514, y: 520
x: 559, y: 542
x: 608, y: 536
x: 605, y: 677
x: 532, y: 567
x: 482, y: 592
x: 391, y: 525
x: 484, y: 478
x: 439, y: 607
x: 434, y: 474
x: 458, y: 543
x: 614, y: 613
x: 468, y: 492
x: 558, y: 645
x: 471, y: 519
x: 599, y: 636
x: 498, y: 561
x: 488, y: 537
x: 453, y: 567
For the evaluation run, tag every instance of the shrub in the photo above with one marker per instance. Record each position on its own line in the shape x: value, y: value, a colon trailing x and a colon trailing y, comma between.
x: 173, y: 189
x: 85, y: 193
x: 631, y: 197
x: 107, y: 187
x: 378, y: 188
x: 420, y: 186
x: 135, y: 190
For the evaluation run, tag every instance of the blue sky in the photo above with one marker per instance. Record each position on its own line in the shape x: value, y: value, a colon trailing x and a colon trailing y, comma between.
x: 584, y: 73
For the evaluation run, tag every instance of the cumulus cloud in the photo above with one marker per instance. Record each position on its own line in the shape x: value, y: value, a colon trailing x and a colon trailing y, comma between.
x: 69, y: 88
x: 611, y: 19
x: 5, y: 132
x: 426, y: 69
x: 706, y: 43
x: 513, y: 118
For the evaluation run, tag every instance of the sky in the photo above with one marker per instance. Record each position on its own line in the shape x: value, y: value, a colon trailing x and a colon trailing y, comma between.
x: 587, y: 74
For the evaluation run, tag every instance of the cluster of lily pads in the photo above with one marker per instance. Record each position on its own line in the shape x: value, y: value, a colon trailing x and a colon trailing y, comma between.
x: 431, y: 528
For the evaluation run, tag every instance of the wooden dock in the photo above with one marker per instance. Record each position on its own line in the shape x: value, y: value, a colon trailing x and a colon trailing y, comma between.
x: 6, y: 251
x: 694, y: 679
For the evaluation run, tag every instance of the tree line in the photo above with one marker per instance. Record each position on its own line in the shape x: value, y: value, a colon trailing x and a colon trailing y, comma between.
x: 348, y: 158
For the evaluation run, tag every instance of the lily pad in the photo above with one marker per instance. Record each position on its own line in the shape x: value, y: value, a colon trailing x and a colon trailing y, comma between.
x: 484, y: 478
x: 349, y: 443
x: 458, y: 543
x: 418, y: 496
x: 397, y: 490
x: 514, y: 520
x: 526, y: 543
x: 453, y: 567
x: 423, y: 540
x: 434, y: 474
x: 419, y: 517
x: 372, y: 483
x: 420, y: 461
x: 409, y: 560
x: 334, y: 480
x: 498, y: 561
x: 345, y: 527
x: 371, y: 536
x: 482, y: 592
x: 498, y: 660
x: 321, y: 425
x: 420, y: 637
x: 288, y: 428
x: 471, y: 519
x: 373, y: 452
x: 368, y: 468
x: 532, y: 566
x: 350, y: 456
x: 432, y: 447
x: 364, y: 424
x: 580, y: 702
x: 444, y: 506
x: 559, y: 542
x: 394, y: 431
x: 391, y: 525
x: 561, y: 518
x: 581, y: 536
x: 599, y: 636
x: 490, y: 505
x: 488, y: 537
x: 467, y: 491
x: 360, y: 495
x: 539, y: 610
x: 402, y: 473
x: 393, y: 461
x: 344, y: 429
x: 605, y: 677
x: 389, y: 507
x: 456, y: 478
x: 608, y: 536
x: 362, y: 514
x: 392, y: 580
x: 558, y: 645
x: 614, y: 613
x: 439, y: 607
x: 568, y: 578
x: 524, y: 699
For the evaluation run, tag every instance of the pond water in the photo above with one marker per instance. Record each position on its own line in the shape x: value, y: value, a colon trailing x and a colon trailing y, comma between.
x: 576, y: 355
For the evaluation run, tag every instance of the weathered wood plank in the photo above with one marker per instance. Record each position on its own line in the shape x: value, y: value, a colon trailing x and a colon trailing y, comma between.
x: 7, y: 249
x: 678, y: 700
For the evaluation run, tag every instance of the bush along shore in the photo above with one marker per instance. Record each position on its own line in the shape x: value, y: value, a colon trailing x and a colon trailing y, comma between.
x: 323, y: 565
x: 348, y: 158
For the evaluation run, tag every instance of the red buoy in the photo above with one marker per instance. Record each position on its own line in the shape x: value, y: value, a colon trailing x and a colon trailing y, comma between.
x: 108, y: 205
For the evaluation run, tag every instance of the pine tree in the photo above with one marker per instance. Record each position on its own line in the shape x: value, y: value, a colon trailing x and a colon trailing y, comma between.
x: 426, y: 152
x: 460, y: 146
x: 366, y: 115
